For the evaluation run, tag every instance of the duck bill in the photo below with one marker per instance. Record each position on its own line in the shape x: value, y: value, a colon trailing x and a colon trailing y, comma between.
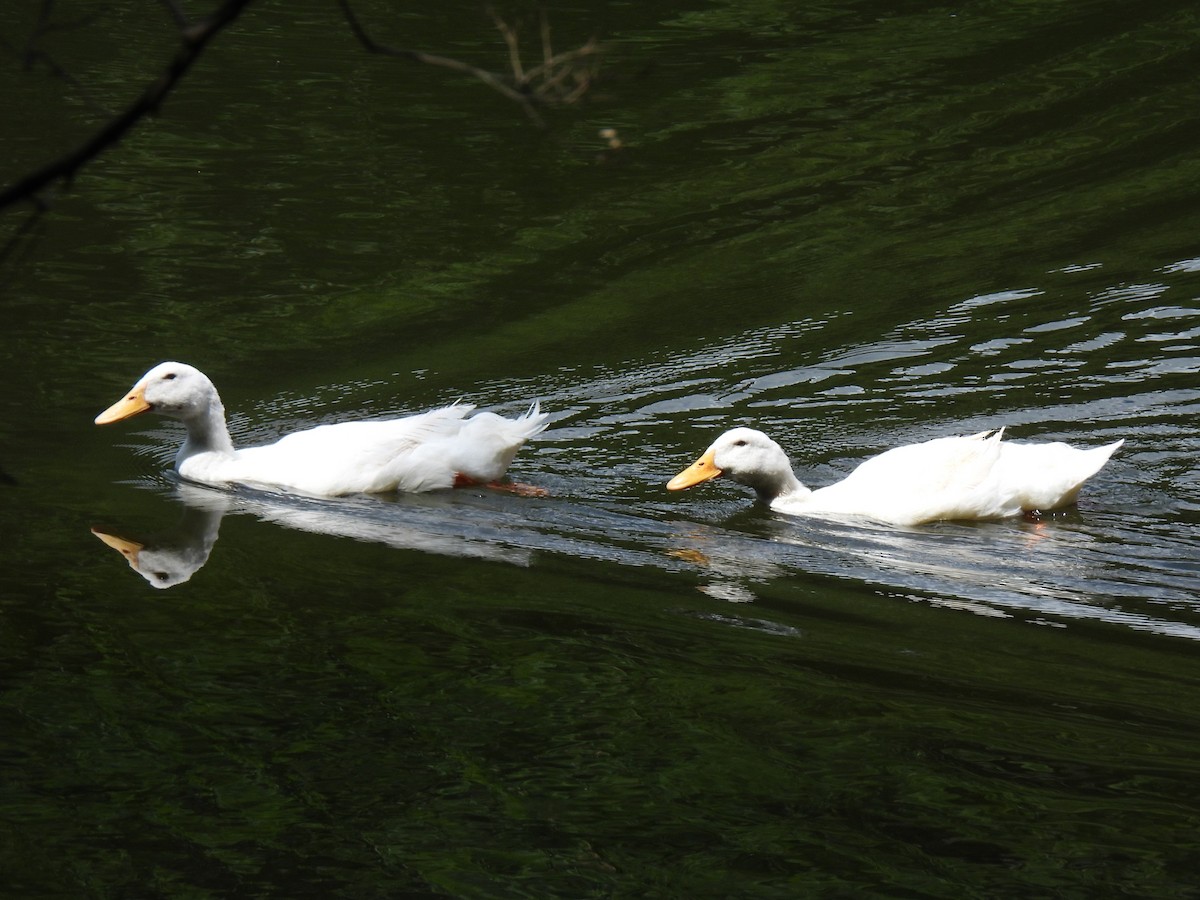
x: 128, y: 406
x: 128, y: 549
x: 703, y: 469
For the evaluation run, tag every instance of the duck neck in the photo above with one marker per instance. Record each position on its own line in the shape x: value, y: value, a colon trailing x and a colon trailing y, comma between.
x: 206, y: 433
x: 785, y: 486
x: 774, y: 483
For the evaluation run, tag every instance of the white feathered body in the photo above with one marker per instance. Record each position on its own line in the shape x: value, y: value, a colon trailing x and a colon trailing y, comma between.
x: 971, y: 477
x: 424, y: 452
x: 975, y: 477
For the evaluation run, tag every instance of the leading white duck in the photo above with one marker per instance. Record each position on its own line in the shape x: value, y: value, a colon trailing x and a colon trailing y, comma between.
x: 973, y: 477
x: 438, y: 449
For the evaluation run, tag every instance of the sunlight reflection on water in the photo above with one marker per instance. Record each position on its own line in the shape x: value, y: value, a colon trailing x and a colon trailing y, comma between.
x: 1047, y: 370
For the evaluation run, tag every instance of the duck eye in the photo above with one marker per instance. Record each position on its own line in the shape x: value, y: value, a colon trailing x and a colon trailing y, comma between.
x: 170, y: 376
x: 741, y: 443
x: 161, y: 576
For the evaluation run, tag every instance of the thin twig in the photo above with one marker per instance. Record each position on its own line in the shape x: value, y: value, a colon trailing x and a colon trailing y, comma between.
x: 514, y: 50
x: 195, y: 39
x: 32, y: 54
x: 373, y: 46
x: 546, y: 70
x: 525, y: 89
x: 547, y: 51
x: 539, y: 86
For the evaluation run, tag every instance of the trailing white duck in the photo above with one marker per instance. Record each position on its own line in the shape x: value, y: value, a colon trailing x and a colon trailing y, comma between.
x: 438, y: 449
x: 973, y: 477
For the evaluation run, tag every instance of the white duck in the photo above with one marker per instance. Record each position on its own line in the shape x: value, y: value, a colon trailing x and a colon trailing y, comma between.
x: 975, y: 477
x: 441, y: 448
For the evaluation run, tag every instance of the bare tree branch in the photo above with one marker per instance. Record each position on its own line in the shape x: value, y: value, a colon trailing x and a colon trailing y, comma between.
x: 32, y: 53
x: 514, y: 50
x: 540, y: 86
x: 547, y: 53
x: 559, y: 79
x: 195, y: 38
x: 373, y: 46
x: 543, y: 81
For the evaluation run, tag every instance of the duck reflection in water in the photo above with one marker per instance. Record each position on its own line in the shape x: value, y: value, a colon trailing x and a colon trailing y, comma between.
x: 171, y: 557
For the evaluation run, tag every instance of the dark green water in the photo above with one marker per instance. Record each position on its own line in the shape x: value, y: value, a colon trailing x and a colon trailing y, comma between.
x: 852, y: 225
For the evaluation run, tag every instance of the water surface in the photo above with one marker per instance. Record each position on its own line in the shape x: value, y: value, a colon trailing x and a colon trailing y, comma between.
x: 849, y: 225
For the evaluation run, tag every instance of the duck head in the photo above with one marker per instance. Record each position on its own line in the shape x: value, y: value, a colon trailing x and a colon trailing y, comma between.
x: 171, y: 389
x: 746, y: 456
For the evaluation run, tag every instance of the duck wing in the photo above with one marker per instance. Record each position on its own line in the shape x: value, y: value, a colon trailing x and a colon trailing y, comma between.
x: 975, y: 477
x: 1047, y: 476
x: 482, y: 449
x: 945, y: 478
x: 350, y: 457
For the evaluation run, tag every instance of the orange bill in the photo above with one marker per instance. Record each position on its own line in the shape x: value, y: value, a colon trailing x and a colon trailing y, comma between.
x: 702, y: 469
x: 128, y: 549
x: 127, y: 406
